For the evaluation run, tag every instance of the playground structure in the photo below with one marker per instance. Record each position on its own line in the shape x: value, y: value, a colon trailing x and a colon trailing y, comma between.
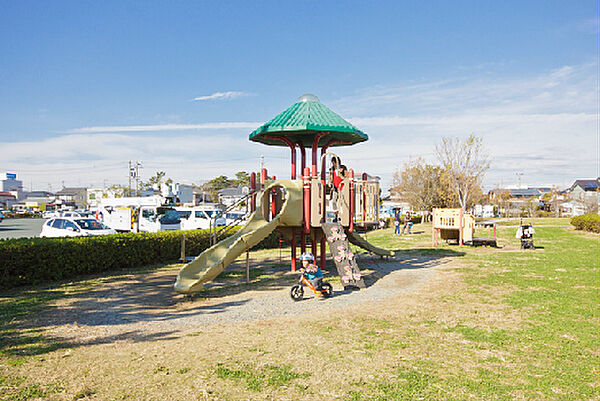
x: 456, y: 225
x: 298, y: 207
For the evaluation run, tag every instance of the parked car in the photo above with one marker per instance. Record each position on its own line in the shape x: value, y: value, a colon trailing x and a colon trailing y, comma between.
x: 200, y: 217
x: 74, y: 227
x: 70, y: 214
x: 236, y: 217
x: 48, y: 214
x: 1, y: 217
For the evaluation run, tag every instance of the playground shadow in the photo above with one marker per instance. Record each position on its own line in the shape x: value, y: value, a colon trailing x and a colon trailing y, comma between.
x: 37, y: 342
x: 404, y: 259
x: 90, y: 316
x: 148, y: 297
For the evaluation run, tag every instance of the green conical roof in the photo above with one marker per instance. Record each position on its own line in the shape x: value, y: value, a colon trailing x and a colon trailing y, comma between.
x: 303, y: 120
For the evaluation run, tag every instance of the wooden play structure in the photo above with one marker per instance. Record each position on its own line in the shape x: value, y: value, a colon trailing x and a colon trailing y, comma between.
x: 456, y: 225
x: 297, y: 207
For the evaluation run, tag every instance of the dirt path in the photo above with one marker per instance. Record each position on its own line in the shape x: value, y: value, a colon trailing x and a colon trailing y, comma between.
x: 146, y: 305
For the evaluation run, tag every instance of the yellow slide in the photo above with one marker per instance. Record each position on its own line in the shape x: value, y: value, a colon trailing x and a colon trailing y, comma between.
x: 359, y: 241
x: 210, y: 263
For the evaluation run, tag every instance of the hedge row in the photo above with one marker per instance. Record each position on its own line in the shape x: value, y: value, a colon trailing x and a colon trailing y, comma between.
x: 40, y: 260
x: 587, y: 222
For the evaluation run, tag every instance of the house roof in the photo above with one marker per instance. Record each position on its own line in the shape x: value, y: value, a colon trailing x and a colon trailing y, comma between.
x: 305, y: 119
x: 525, y: 192
x: 71, y: 191
x: 239, y: 191
x: 587, y: 185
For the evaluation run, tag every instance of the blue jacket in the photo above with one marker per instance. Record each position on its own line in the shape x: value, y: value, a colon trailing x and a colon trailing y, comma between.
x: 313, y: 271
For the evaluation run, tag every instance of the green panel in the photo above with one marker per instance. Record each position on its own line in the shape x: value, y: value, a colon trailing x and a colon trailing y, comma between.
x: 303, y: 120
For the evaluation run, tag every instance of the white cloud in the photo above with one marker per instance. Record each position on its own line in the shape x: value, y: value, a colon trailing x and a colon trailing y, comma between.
x: 164, y: 127
x: 544, y: 125
x: 93, y: 159
x: 222, y: 95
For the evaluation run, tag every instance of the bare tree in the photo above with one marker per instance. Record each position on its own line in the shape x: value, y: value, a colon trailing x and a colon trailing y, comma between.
x: 464, y: 163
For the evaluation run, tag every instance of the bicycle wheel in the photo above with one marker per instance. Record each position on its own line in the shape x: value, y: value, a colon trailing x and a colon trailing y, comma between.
x: 297, y: 292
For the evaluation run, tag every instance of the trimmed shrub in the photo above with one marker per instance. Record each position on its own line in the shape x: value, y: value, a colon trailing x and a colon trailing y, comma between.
x: 40, y: 260
x: 587, y: 222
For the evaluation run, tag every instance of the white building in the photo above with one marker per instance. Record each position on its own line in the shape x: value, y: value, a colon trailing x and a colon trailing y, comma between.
x: 9, y: 183
x: 230, y: 196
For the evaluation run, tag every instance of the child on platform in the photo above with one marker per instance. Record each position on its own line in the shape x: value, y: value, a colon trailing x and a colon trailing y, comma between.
x: 313, y: 272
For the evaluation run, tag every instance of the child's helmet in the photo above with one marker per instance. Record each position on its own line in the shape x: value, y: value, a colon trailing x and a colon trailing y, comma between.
x: 307, y: 256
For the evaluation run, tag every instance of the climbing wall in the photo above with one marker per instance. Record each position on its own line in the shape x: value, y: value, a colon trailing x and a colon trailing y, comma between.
x: 342, y: 255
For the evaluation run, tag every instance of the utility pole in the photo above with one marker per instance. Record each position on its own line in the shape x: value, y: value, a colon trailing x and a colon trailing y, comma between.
x: 129, y: 173
x: 519, y: 175
x: 138, y: 164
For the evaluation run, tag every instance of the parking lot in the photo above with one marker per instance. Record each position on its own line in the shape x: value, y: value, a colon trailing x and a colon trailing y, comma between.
x: 20, y: 228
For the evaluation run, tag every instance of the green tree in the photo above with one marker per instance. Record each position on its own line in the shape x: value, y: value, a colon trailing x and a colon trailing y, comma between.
x: 156, y: 179
x: 242, y: 178
x: 215, y: 185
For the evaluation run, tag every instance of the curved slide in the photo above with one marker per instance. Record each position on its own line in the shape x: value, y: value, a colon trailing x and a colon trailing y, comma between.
x: 210, y: 263
x: 358, y: 240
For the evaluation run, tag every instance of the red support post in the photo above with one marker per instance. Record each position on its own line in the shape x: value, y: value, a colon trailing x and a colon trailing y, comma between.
x: 253, y: 192
x: 323, y: 258
x: 351, y: 203
x: 364, y: 198
x: 323, y: 183
x: 292, y: 149
x: 273, y: 201
x: 293, y: 245
x: 494, y: 230
x: 263, y: 177
x: 303, y: 156
x: 315, y: 147
x: 306, y: 187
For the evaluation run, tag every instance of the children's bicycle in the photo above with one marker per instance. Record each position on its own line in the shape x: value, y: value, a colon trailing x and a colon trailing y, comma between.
x: 297, y: 291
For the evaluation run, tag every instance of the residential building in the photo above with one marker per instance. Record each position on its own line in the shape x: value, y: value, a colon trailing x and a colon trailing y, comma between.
x: 94, y: 195
x: 7, y: 200
x: 572, y: 209
x: 584, y: 190
x: 72, y: 197
x: 230, y: 196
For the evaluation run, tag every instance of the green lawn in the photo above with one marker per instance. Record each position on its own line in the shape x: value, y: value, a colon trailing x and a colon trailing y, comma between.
x: 551, y: 352
x: 496, y: 324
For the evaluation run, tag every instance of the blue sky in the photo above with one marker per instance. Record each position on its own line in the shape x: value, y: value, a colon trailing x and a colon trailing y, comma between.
x: 87, y: 86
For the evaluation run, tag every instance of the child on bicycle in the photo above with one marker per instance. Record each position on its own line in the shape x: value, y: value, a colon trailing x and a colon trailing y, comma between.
x: 313, y: 272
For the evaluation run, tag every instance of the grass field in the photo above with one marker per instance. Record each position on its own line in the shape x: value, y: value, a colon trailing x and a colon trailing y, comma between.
x: 494, y: 324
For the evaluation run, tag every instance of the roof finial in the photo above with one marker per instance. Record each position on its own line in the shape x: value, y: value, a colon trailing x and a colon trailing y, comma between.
x: 308, y: 97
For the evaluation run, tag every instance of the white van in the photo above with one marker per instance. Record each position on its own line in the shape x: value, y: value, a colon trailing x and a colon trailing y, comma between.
x: 200, y: 217
x: 137, y: 215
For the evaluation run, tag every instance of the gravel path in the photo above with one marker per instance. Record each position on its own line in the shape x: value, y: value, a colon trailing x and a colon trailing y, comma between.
x: 138, y: 306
